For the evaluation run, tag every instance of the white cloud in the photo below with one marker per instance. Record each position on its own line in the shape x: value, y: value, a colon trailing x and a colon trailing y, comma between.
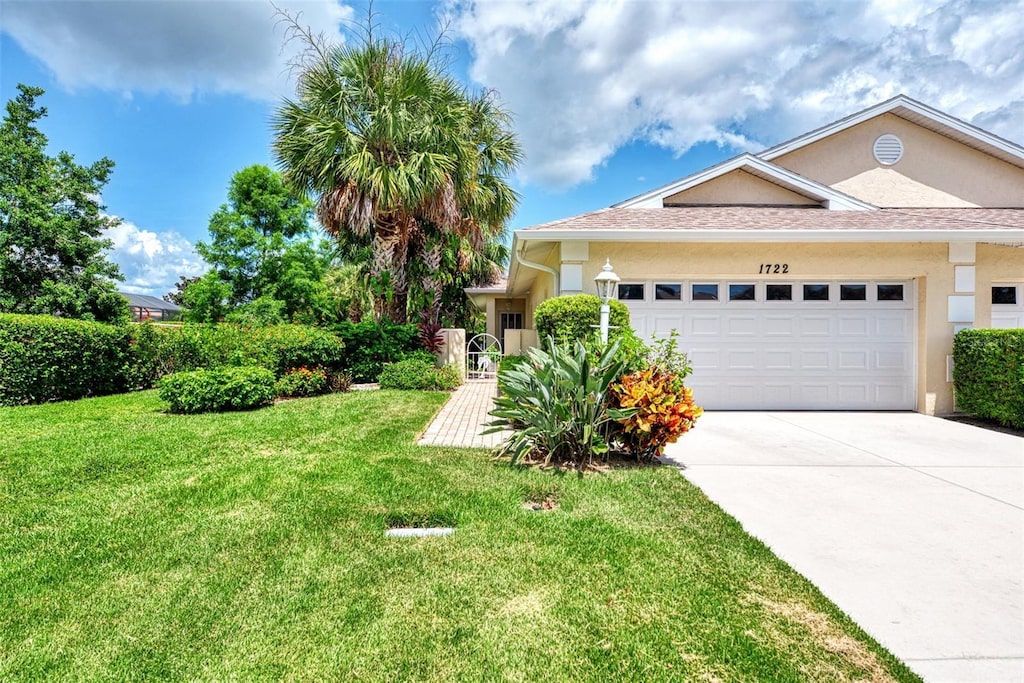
x: 181, y: 47
x: 585, y: 78
x: 152, y: 261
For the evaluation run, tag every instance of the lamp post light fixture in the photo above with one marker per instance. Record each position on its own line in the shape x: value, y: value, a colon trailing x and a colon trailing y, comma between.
x: 606, y: 281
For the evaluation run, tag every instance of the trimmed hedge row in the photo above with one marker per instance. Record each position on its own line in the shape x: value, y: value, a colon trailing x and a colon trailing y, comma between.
x: 988, y: 374
x: 43, y: 358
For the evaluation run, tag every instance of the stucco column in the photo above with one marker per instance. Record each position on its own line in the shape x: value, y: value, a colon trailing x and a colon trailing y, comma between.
x: 453, y: 349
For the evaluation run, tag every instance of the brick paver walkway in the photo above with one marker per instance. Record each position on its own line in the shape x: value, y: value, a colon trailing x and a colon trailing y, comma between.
x: 462, y: 418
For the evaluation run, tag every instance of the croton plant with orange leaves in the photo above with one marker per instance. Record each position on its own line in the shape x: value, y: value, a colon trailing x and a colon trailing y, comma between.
x: 664, y: 411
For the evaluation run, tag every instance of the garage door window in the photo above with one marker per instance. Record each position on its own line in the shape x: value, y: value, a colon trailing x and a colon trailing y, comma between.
x: 629, y: 292
x: 815, y: 292
x: 890, y: 292
x: 1004, y: 295
x: 741, y: 292
x: 705, y: 292
x: 778, y: 292
x: 853, y: 292
x: 668, y: 292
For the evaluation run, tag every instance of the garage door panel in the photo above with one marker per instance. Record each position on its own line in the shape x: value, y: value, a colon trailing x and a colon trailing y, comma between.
x: 705, y: 325
x: 741, y: 359
x: 815, y: 326
x: 853, y: 326
x: 778, y: 326
x: 892, y: 359
x: 894, y: 326
x: 741, y: 326
x: 664, y: 324
x: 853, y: 359
x: 815, y: 359
x: 779, y: 359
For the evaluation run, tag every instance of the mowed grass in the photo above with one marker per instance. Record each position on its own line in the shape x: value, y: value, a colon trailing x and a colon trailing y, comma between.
x: 138, y: 545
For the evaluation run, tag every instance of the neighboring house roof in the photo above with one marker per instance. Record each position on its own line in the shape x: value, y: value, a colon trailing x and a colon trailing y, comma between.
x: 918, y: 113
x: 827, y: 196
x: 150, y: 302
x: 721, y: 223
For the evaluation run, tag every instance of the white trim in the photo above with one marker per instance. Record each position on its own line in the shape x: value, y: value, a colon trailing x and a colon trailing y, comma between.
x: 897, y: 103
x: 831, y: 198
x: 752, y: 235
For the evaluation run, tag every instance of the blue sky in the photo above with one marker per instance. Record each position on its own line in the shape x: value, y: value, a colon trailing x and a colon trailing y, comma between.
x: 611, y: 98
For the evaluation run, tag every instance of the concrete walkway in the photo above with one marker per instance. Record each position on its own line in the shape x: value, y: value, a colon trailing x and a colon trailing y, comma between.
x: 912, y: 525
x: 461, y: 419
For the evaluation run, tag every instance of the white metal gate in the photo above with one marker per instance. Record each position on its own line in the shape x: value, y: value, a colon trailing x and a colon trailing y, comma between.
x: 483, y: 353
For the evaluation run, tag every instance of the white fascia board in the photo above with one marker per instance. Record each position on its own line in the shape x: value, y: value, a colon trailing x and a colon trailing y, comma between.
x: 898, y: 102
x: 748, y: 235
x: 834, y: 199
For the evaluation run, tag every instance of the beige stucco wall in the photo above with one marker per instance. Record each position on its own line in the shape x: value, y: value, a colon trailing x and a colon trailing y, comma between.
x: 935, y: 171
x: 740, y: 187
x: 994, y: 264
x: 927, y: 263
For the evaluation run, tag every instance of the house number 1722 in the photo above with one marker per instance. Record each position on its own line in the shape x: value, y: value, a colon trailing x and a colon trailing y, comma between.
x: 773, y: 269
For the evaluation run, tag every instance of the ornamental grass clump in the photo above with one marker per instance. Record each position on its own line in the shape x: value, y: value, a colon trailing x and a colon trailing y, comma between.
x: 557, y: 405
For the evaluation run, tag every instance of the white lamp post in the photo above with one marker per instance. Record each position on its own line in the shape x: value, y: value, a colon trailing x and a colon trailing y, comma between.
x: 606, y: 281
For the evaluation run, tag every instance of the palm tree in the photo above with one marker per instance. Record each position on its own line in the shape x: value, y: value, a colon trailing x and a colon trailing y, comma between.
x: 399, y: 156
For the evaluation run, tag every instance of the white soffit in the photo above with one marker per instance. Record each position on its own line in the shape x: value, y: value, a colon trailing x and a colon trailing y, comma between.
x: 829, y: 197
x: 920, y: 114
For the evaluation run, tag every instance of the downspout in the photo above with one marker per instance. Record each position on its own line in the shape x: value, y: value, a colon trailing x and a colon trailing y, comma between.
x: 541, y: 267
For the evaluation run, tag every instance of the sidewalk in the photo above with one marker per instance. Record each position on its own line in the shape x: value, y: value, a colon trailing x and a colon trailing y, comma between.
x: 462, y: 418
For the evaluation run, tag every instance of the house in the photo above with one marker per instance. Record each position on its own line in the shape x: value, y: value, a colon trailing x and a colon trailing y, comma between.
x: 144, y: 307
x: 829, y: 272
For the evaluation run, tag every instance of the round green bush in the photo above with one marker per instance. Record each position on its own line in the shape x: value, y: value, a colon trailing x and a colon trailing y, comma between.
x: 303, y: 382
x: 577, y: 316
x: 210, y: 391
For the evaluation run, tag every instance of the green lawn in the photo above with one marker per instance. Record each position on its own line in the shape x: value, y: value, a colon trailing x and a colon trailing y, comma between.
x: 140, y: 545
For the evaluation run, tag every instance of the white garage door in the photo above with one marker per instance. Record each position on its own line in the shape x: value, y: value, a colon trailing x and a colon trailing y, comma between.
x: 801, y: 345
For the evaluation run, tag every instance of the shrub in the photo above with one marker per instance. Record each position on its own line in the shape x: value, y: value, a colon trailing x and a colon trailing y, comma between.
x: 285, y: 347
x: 203, y: 391
x: 418, y: 374
x: 988, y: 374
x: 339, y: 382
x: 370, y: 345
x: 662, y: 411
x: 557, y: 406
x: 576, y: 317
x: 43, y: 358
x: 303, y: 382
x: 278, y: 348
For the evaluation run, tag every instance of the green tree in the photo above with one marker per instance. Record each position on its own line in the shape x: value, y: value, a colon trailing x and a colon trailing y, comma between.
x: 52, y: 253
x: 262, y: 254
x: 402, y: 160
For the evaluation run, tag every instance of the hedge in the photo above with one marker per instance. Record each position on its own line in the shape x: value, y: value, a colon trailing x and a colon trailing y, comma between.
x: 43, y: 358
x: 278, y: 348
x: 369, y: 346
x: 988, y: 374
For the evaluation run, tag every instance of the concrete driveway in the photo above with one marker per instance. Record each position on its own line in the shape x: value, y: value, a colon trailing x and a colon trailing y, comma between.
x: 912, y: 525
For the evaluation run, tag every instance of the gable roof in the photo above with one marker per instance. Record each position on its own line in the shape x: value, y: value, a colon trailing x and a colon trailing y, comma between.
x: 830, y: 198
x: 920, y: 114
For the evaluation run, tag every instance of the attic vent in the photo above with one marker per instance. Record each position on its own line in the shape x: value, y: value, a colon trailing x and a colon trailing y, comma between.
x: 888, y: 149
